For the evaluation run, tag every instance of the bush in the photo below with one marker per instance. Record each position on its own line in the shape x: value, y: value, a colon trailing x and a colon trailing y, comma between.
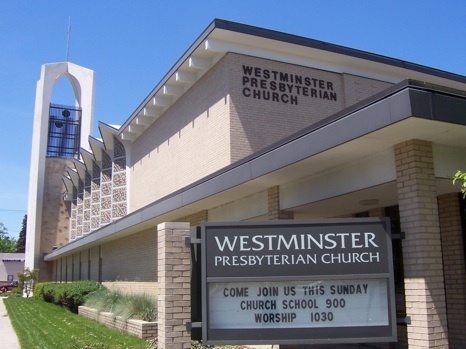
x: 44, y: 291
x: 70, y: 295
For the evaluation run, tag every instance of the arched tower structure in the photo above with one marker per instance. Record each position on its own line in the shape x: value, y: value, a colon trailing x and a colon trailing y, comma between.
x: 59, y: 131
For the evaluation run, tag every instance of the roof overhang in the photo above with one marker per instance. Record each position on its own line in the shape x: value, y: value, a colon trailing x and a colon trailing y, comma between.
x: 409, y: 110
x: 221, y: 37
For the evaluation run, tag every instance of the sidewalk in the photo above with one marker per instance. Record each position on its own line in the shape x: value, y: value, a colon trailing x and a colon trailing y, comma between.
x: 7, y: 334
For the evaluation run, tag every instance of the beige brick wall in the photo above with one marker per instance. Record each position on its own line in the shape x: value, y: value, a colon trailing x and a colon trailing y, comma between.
x: 275, y: 213
x: 55, y: 213
x: 137, y: 328
x: 132, y: 258
x: 358, y: 88
x: 133, y: 287
x: 190, y: 140
x: 259, y: 122
x: 225, y: 117
x: 454, y: 265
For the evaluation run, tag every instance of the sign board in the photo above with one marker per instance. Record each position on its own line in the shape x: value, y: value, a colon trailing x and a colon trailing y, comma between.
x: 298, y: 282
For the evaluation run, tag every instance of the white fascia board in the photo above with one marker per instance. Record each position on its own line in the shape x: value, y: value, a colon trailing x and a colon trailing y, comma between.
x: 185, y: 77
x: 107, y: 132
x: 74, y: 176
x: 88, y: 158
x: 97, y: 147
x: 171, y: 90
x: 129, y: 136
x: 199, y: 63
x: 161, y: 101
x: 80, y: 169
x: 144, y: 120
x: 69, y: 188
x: 134, y: 128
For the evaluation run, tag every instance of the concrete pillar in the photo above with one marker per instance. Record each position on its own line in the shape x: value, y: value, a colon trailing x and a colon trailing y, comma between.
x: 174, y: 279
x: 274, y: 205
x: 454, y: 267
x: 422, y: 254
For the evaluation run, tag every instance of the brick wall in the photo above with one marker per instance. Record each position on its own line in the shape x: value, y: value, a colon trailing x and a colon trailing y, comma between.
x: 133, y: 287
x: 358, y: 88
x: 137, y: 328
x: 190, y: 140
x: 222, y: 119
x: 258, y: 121
x: 55, y: 213
x: 132, y: 258
x: 275, y: 212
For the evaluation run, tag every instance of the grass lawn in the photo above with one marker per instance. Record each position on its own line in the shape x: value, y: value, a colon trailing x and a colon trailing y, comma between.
x: 44, y: 325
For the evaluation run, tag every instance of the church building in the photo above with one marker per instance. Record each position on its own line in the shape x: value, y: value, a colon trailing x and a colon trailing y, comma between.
x: 253, y: 125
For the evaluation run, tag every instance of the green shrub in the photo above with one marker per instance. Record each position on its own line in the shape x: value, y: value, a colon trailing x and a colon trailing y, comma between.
x: 42, y: 291
x: 70, y: 295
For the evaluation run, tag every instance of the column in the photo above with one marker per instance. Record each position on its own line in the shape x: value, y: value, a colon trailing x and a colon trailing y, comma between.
x: 274, y: 205
x: 174, y: 279
x: 422, y: 254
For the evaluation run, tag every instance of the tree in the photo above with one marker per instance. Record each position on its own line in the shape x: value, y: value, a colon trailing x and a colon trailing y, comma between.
x: 7, y: 244
x: 461, y: 176
x: 21, y: 242
x: 27, y: 279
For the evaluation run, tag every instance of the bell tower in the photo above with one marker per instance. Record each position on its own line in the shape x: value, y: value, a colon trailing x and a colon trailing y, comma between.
x: 59, y: 131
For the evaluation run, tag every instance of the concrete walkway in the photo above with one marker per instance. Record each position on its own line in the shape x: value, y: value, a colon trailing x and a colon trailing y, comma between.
x: 7, y: 334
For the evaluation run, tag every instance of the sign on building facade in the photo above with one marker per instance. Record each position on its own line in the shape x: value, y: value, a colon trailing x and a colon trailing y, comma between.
x: 323, y: 281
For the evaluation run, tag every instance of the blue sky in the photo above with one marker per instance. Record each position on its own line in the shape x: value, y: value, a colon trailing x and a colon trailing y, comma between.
x: 132, y: 44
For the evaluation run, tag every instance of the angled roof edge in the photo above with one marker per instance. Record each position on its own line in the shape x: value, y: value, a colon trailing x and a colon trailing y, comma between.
x: 173, y: 69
